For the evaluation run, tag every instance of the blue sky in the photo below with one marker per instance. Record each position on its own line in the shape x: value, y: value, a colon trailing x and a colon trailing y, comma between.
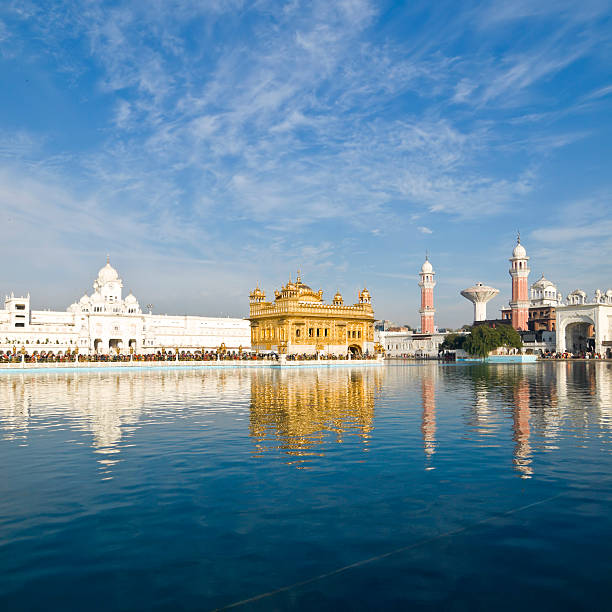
x: 209, y: 145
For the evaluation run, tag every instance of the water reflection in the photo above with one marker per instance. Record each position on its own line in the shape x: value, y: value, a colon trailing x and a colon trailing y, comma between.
x: 522, y: 449
x: 297, y: 412
x: 428, y: 397
x: 547, y: 401
x: 108, y: 405
x: 302, y: 415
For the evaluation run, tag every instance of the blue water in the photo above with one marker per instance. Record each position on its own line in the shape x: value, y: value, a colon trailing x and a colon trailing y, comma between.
x: 422, y: 487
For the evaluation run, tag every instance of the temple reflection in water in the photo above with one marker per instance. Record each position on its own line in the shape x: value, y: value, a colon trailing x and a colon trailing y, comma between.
x: 296, y: 412
x: 300, y: 414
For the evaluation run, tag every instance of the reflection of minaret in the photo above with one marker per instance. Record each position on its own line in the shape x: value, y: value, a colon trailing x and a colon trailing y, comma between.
x: 428, y: 427
x: 522, y: 449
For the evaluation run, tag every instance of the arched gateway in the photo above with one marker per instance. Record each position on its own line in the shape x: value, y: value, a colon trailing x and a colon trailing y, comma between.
x: 580, y: 336
x: 584, y: 327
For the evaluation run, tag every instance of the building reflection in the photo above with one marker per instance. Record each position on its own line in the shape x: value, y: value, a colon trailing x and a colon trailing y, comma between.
x: 109, y: 406
x: 428, y: 399
x: 521, y: 430
x: 298, y: 412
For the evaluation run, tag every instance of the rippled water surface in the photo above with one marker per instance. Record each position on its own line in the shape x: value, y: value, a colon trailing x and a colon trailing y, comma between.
x: 421, y: 486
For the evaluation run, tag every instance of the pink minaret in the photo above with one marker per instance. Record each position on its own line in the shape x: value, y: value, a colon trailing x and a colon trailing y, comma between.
x: 427, y: 284
x: 519, y: 271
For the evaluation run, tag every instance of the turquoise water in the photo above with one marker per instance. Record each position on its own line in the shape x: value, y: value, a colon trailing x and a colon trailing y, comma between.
x: 421, y: 486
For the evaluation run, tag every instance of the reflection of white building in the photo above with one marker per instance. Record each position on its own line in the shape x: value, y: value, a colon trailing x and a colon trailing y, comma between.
x: 105, y: 321
x: 111, y: 406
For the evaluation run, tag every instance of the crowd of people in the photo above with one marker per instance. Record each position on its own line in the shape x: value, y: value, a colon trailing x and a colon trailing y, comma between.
x: 579, y: 355
x: 18, y: 356
x: 329, y: 356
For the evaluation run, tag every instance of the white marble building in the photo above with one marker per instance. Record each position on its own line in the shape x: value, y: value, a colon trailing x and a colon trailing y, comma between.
x: 576, y: 321
x: 544, y: 293
x: 410, y: 344
x: 105, y: 321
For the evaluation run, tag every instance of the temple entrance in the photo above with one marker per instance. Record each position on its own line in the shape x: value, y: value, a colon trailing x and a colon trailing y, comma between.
x: 579, y: 337
x: 115, y: 344
x: 97, y: 344
x: 354, y: 351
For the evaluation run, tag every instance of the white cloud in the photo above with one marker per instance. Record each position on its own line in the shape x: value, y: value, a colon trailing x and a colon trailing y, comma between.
x: 311, y: 121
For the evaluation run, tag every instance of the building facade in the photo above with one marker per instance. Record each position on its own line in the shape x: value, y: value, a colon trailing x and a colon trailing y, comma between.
x: 299, y: 322
x: 410, y: 344
x: 105, y: 322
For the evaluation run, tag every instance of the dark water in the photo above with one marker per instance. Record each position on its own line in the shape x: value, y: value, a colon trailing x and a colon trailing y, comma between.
x: 455, y: 487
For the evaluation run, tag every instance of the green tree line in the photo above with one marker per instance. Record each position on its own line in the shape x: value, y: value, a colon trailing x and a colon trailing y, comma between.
x: 483, y: 339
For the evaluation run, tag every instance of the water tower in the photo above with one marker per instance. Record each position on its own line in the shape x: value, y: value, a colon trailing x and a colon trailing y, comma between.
x: 479, y: 295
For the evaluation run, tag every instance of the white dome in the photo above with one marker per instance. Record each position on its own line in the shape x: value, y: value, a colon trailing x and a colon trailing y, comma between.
x: 84, y: 299
x: 543, y: 283
x: 130, y: 299
x: 107, y: 274
x: 519, y: 251
x: 427, y: 268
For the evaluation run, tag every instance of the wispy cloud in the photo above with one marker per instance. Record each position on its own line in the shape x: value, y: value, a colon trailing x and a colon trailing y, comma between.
x: 316, y: 128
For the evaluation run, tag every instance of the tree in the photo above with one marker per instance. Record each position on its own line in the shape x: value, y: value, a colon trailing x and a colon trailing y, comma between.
x: 452, y: 342
x: 482, y: 340
x: 509, y: 337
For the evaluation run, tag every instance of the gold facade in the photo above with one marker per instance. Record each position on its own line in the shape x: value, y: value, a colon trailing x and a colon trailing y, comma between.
x: 298, y: 321
x: 298, y: 413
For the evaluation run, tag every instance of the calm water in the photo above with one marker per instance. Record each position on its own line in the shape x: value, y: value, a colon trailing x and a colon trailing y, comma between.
x: 463, y: 487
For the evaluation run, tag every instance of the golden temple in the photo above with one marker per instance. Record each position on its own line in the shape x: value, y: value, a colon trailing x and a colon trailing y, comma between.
x: 298, y: 321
